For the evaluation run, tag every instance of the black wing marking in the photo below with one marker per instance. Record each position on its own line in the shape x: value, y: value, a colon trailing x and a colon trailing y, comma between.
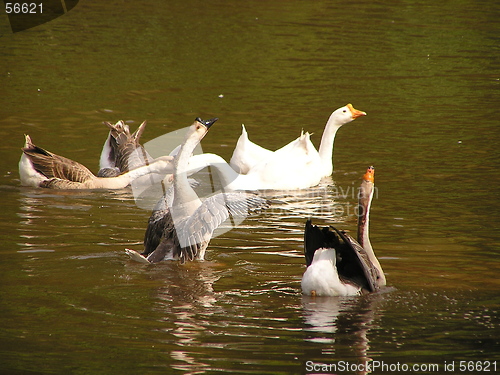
x: 352, y: 263
x: 314, y: 239
x: 108, y: 172
x: 369, y: 271
x: 159, y: 222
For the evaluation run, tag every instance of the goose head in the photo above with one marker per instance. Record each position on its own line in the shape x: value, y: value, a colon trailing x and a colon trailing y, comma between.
x: 200, y: 128
x: 346, y: 114
x: 194, y: 135
x: 369, y: 175
x: 207, y: 123
x: 366, y: 192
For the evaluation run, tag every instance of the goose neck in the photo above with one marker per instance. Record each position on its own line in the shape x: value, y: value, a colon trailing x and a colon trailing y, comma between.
x: 226, y: 174
x: 326, y: 146
x: 185, y: 198
x: 364, y: 204
x: 160, y: 166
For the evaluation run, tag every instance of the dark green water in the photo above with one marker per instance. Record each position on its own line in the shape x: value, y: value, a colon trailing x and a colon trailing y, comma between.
x: 428, y: 75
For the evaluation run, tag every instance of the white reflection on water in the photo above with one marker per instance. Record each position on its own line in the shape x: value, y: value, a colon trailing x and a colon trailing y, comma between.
x: 186, y: 303
x: 343, y: 322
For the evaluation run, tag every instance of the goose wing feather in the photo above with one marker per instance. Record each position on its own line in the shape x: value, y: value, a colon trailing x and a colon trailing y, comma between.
x: 369, y: 271
x: 127, y: 152
x: 159, y: 220
x: 55, y: 166
x: 197, y: 230
x: 108, y: 172
x: 353, y: 264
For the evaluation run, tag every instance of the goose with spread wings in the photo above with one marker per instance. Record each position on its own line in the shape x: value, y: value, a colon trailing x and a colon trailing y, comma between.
x: 182, y: 225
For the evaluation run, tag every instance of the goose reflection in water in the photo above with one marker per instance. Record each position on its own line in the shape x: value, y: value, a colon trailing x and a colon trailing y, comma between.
x: 186, y: 304
x: 344, y: 323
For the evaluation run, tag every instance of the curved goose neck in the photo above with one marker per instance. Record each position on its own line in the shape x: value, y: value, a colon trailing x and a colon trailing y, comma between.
x: 326, y: 146
x: 364, y: 204
x: 226, y: 174
x: 161, y: 165
x: 186, y: 200
x: 366, y: 193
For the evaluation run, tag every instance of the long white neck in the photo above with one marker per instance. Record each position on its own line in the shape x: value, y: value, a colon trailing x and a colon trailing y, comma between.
x: 162, y: 165
x: 228, y: 176
x: 326, y: 146
x: 186, y: 200
x: 364, y: 205
x: 364, y: 223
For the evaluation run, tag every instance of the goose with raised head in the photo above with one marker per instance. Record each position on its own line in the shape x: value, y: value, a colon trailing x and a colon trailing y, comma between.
x: 247, y: 155
x: 122, y: 150
x: 337, y: 264
x: 182, y: 225
x: 41, y: 168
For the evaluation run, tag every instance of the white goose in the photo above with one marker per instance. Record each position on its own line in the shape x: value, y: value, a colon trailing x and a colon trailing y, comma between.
x: 267, y: 176
x: 337, y: 264
x: 182, y: 225
x: 42, y: 168
x: 247, y: 155
x: 122, y: 151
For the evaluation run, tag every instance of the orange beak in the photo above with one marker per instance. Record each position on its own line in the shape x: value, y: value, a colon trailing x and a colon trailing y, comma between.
x: 354, y: 112
x: 369, y: 175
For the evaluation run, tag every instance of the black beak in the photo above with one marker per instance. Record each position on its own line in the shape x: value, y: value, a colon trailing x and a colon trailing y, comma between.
x: 207, y: 123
